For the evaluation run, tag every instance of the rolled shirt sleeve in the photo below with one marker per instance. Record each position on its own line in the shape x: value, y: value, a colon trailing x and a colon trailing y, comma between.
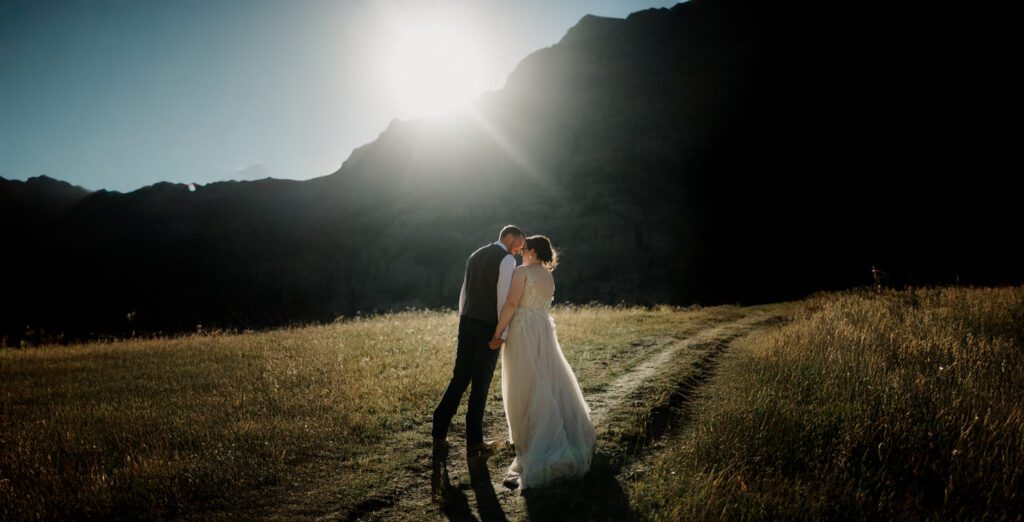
x: 462, y: 297
x: 508, y: 265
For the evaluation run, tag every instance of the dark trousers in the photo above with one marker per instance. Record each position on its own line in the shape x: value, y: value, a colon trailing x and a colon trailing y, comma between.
x: 474, y: 364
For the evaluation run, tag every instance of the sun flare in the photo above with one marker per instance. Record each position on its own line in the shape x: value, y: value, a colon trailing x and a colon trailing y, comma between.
x: 434, y: 68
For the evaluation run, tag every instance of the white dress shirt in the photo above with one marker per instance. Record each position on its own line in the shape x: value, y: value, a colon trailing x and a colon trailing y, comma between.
x: 508, y: 265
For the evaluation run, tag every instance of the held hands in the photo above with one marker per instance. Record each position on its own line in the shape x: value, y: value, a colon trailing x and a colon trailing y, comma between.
x: 495, y: 343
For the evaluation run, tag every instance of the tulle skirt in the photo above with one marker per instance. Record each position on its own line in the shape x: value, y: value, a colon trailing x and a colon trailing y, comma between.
x: 548, y: 419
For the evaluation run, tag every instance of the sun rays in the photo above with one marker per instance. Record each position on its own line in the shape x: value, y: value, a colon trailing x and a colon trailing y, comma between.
x: 433, y: 65
x: 436, y: 65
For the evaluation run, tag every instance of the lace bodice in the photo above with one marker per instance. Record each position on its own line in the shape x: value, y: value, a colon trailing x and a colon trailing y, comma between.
x: 533, y: 298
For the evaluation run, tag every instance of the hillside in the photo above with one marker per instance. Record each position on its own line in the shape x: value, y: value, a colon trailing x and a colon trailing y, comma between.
x: 713, y: 152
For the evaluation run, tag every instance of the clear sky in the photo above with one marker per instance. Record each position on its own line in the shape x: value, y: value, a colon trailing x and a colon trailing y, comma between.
x: 118, y: 94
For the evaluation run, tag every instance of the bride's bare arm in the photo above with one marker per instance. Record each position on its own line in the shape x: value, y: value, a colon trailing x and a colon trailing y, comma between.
x: 515, y: 292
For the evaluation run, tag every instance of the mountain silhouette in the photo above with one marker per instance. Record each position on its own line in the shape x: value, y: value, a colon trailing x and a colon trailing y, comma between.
x: 40, y: 197
x: 714, y: 152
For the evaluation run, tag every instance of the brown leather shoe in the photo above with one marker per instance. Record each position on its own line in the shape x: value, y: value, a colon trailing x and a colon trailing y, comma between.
x: 483, y: 449
x: 439, y: 471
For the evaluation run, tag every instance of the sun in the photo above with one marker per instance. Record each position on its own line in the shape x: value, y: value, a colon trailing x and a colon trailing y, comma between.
x: 433, y: 68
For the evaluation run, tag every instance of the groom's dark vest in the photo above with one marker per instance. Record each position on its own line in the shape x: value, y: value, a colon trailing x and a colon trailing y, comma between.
x: 482, y: 283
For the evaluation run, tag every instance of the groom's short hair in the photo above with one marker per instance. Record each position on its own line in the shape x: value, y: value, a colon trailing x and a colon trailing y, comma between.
x: 510, y: 230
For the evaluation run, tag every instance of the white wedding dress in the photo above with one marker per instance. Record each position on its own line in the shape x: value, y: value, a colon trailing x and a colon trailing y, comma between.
x: 548, y: 419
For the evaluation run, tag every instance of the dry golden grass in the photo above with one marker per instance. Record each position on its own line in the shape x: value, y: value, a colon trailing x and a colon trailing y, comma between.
x: 902, y: 405
x: 173, y: 427
x: 906, y: 405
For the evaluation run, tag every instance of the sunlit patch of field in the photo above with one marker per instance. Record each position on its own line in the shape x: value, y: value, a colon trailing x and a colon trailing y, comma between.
x: 904, y: 405
x: 171, y: 427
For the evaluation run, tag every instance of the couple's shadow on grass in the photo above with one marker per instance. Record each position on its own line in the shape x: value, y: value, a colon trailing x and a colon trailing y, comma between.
x: 598, y: 496
x: 457, y: 504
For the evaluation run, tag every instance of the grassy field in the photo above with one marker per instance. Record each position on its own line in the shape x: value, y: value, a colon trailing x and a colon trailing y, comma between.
x: 906, y: 406
x: 217, y: 423
x: 850, y: 405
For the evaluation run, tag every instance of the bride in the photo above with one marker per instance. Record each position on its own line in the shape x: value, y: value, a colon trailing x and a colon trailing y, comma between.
x: 548, y: 420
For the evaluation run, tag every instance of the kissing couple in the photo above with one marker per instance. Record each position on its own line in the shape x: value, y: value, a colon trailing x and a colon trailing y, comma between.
x: 505, y: 306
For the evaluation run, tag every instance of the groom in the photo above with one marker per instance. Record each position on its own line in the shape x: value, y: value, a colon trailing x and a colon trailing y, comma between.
x: 484, y: 291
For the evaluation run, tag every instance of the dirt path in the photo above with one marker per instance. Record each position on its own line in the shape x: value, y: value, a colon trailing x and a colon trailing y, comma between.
x: 625, y: 385
x: 478, y: 493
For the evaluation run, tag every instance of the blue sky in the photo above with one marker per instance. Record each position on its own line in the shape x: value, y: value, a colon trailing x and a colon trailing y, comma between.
x: 117, y: 95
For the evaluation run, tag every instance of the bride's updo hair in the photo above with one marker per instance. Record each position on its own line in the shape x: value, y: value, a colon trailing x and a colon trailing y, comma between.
x: 545, y: 252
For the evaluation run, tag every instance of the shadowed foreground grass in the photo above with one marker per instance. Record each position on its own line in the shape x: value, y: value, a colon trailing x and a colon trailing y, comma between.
x: 176, y: 427
x: 906, y: 405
